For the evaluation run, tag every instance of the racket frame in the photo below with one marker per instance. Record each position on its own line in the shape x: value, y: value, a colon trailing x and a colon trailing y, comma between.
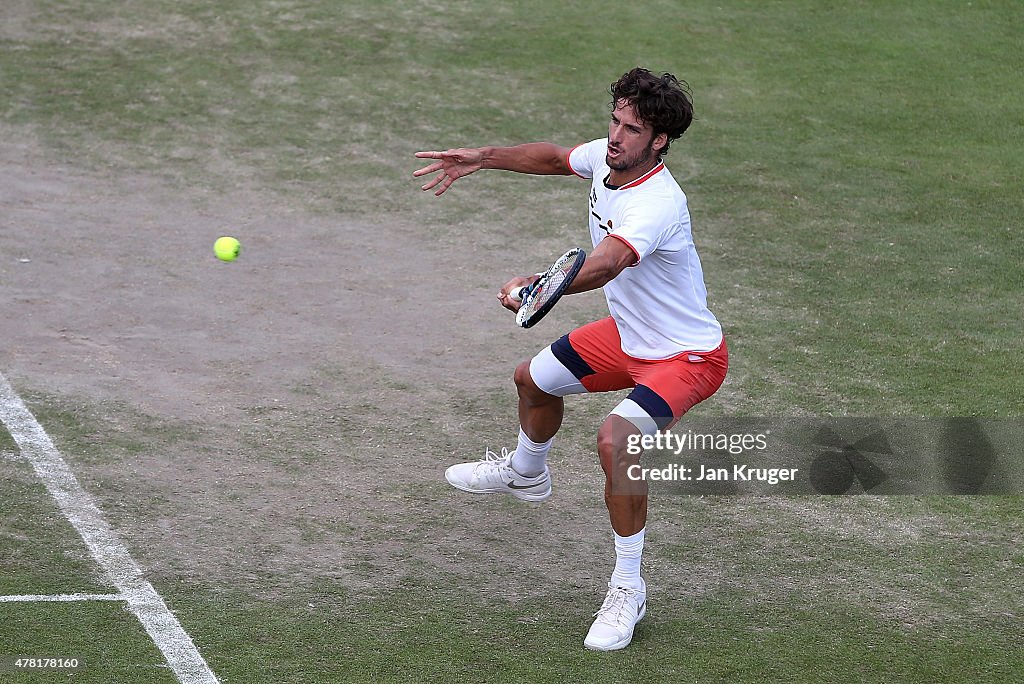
x: 528, y: 293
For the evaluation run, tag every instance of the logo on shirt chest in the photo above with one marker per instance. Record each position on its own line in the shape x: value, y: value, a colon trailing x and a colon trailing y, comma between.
x: 593, y: 212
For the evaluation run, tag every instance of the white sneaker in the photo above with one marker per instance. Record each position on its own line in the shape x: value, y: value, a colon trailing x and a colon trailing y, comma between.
x: 494, y: 474
x: 623, y: 607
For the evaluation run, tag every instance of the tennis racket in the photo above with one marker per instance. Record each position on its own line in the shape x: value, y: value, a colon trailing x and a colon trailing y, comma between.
x: 538, y: 298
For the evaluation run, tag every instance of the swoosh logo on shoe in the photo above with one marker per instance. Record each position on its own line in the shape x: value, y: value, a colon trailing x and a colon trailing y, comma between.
x: 513, y: 485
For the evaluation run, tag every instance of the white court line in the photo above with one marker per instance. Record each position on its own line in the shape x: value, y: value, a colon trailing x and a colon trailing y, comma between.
x: 32, y: 598
x: 80, y: 510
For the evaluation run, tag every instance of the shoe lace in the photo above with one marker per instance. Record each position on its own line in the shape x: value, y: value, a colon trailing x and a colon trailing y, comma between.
x: 491, y: 456
x: 614, y: 603
x: 492, y: 459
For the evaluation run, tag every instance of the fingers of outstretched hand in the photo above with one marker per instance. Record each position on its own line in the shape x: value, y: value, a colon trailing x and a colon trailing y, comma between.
x: 446, y: 182
x: 430, y: 184
x: 451, y: 165
x: 443, y: 180
x: 433, y: 168
x: 436, y: 166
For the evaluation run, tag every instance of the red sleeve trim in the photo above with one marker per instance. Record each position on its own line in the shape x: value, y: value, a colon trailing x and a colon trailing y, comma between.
x: 568, y: 163
x: 626, y: 242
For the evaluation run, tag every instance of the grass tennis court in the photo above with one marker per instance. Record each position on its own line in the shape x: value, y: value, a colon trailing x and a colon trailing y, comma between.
x: 268, y: 438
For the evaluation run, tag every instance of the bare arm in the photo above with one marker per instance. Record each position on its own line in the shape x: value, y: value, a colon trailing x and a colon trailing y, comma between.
x: 538, y: 158
x: 609, y: 259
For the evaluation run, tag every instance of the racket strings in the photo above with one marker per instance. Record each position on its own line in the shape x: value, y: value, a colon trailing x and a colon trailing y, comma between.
x: 546, y: 288
x: 546, y: 291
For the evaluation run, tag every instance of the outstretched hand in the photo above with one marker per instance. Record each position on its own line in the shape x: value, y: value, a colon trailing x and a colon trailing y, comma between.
x: 451, y: 164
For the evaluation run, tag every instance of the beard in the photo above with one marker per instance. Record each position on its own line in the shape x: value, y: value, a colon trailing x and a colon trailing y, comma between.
x: 638, y: 159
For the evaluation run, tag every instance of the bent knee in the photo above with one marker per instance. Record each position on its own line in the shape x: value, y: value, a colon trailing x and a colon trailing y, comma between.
x: 522, y: 376
x: 528, y: 388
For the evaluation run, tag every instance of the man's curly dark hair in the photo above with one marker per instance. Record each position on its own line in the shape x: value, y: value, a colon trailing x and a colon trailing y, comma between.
x: 663, y: 102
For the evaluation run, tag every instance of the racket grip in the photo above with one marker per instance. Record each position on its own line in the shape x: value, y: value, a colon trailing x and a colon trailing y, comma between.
x: 518, y: 293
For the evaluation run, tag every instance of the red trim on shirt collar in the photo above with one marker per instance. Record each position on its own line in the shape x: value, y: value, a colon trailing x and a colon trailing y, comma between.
x: 644, y: 177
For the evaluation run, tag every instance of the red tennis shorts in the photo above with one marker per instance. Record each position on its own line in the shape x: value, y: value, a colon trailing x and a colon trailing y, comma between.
x: 664, y: 389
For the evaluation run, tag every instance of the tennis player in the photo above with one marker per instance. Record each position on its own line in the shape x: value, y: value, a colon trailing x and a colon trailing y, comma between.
x: 661, y: 341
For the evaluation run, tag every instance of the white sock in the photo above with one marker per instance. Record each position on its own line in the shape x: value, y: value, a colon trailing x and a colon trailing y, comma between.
x: 530, y: 457
x: 627, y: 560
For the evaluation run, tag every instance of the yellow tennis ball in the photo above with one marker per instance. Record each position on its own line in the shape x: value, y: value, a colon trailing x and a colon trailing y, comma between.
x: 226, y: 248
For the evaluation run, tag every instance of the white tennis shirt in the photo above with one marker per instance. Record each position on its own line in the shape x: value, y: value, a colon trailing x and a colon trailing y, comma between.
x: 660, y: 303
